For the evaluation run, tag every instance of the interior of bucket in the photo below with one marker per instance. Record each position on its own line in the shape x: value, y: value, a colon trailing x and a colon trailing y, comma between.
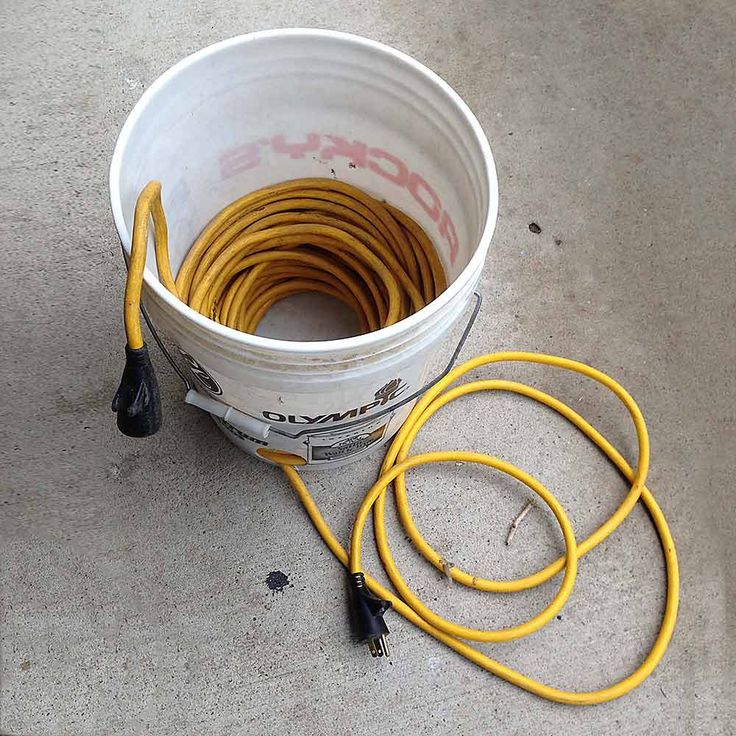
x: 278, y: 107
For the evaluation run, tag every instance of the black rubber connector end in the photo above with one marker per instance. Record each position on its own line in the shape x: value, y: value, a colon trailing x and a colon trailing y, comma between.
x: 368, y: 610
x: 137, y: 401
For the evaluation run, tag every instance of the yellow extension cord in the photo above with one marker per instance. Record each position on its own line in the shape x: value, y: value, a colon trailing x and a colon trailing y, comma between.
x: 370, y: 256
x: 254, y: 253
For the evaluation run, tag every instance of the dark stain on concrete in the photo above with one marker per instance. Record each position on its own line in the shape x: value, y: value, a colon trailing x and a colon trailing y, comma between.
x: 277, y: 581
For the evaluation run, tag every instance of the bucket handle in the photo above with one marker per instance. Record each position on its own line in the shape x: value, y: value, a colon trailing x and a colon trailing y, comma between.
x: 179, y: 370
x: 453, y: 359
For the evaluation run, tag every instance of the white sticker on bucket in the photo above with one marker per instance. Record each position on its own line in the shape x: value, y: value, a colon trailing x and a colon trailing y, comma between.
x: 338, y: 445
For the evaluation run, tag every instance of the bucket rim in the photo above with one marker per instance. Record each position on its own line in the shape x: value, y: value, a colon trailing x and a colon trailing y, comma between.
x: 363, y: 342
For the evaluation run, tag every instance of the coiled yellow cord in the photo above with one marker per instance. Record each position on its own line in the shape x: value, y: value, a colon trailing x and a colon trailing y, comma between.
x: 302, y: 235
x: 380, y: 263
x: 398, y: 461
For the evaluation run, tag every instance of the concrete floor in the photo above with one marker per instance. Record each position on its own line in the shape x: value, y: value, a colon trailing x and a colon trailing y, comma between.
x: 134, y: 595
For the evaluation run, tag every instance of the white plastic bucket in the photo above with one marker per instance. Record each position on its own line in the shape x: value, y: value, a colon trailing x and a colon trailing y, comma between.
x: 276, y: 105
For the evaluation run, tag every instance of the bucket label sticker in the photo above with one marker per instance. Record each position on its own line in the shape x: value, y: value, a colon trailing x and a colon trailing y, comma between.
x: 329, y: 448
x: 201, y: 375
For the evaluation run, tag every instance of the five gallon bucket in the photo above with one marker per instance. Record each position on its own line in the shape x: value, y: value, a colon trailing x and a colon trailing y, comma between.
x: 267, y: 107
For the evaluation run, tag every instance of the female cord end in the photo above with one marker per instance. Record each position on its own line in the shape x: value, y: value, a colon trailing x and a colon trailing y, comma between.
x: 368, y: 612
x: 137, y: 401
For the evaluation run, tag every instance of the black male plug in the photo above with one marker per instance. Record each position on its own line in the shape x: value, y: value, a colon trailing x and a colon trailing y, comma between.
x: 368, y: 612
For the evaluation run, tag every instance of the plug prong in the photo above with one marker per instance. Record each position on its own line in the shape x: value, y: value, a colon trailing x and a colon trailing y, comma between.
x: 384, y: 645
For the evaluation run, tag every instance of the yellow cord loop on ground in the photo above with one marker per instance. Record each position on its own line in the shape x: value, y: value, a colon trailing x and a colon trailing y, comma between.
x: 327, y: 236
x: 393, y: 470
